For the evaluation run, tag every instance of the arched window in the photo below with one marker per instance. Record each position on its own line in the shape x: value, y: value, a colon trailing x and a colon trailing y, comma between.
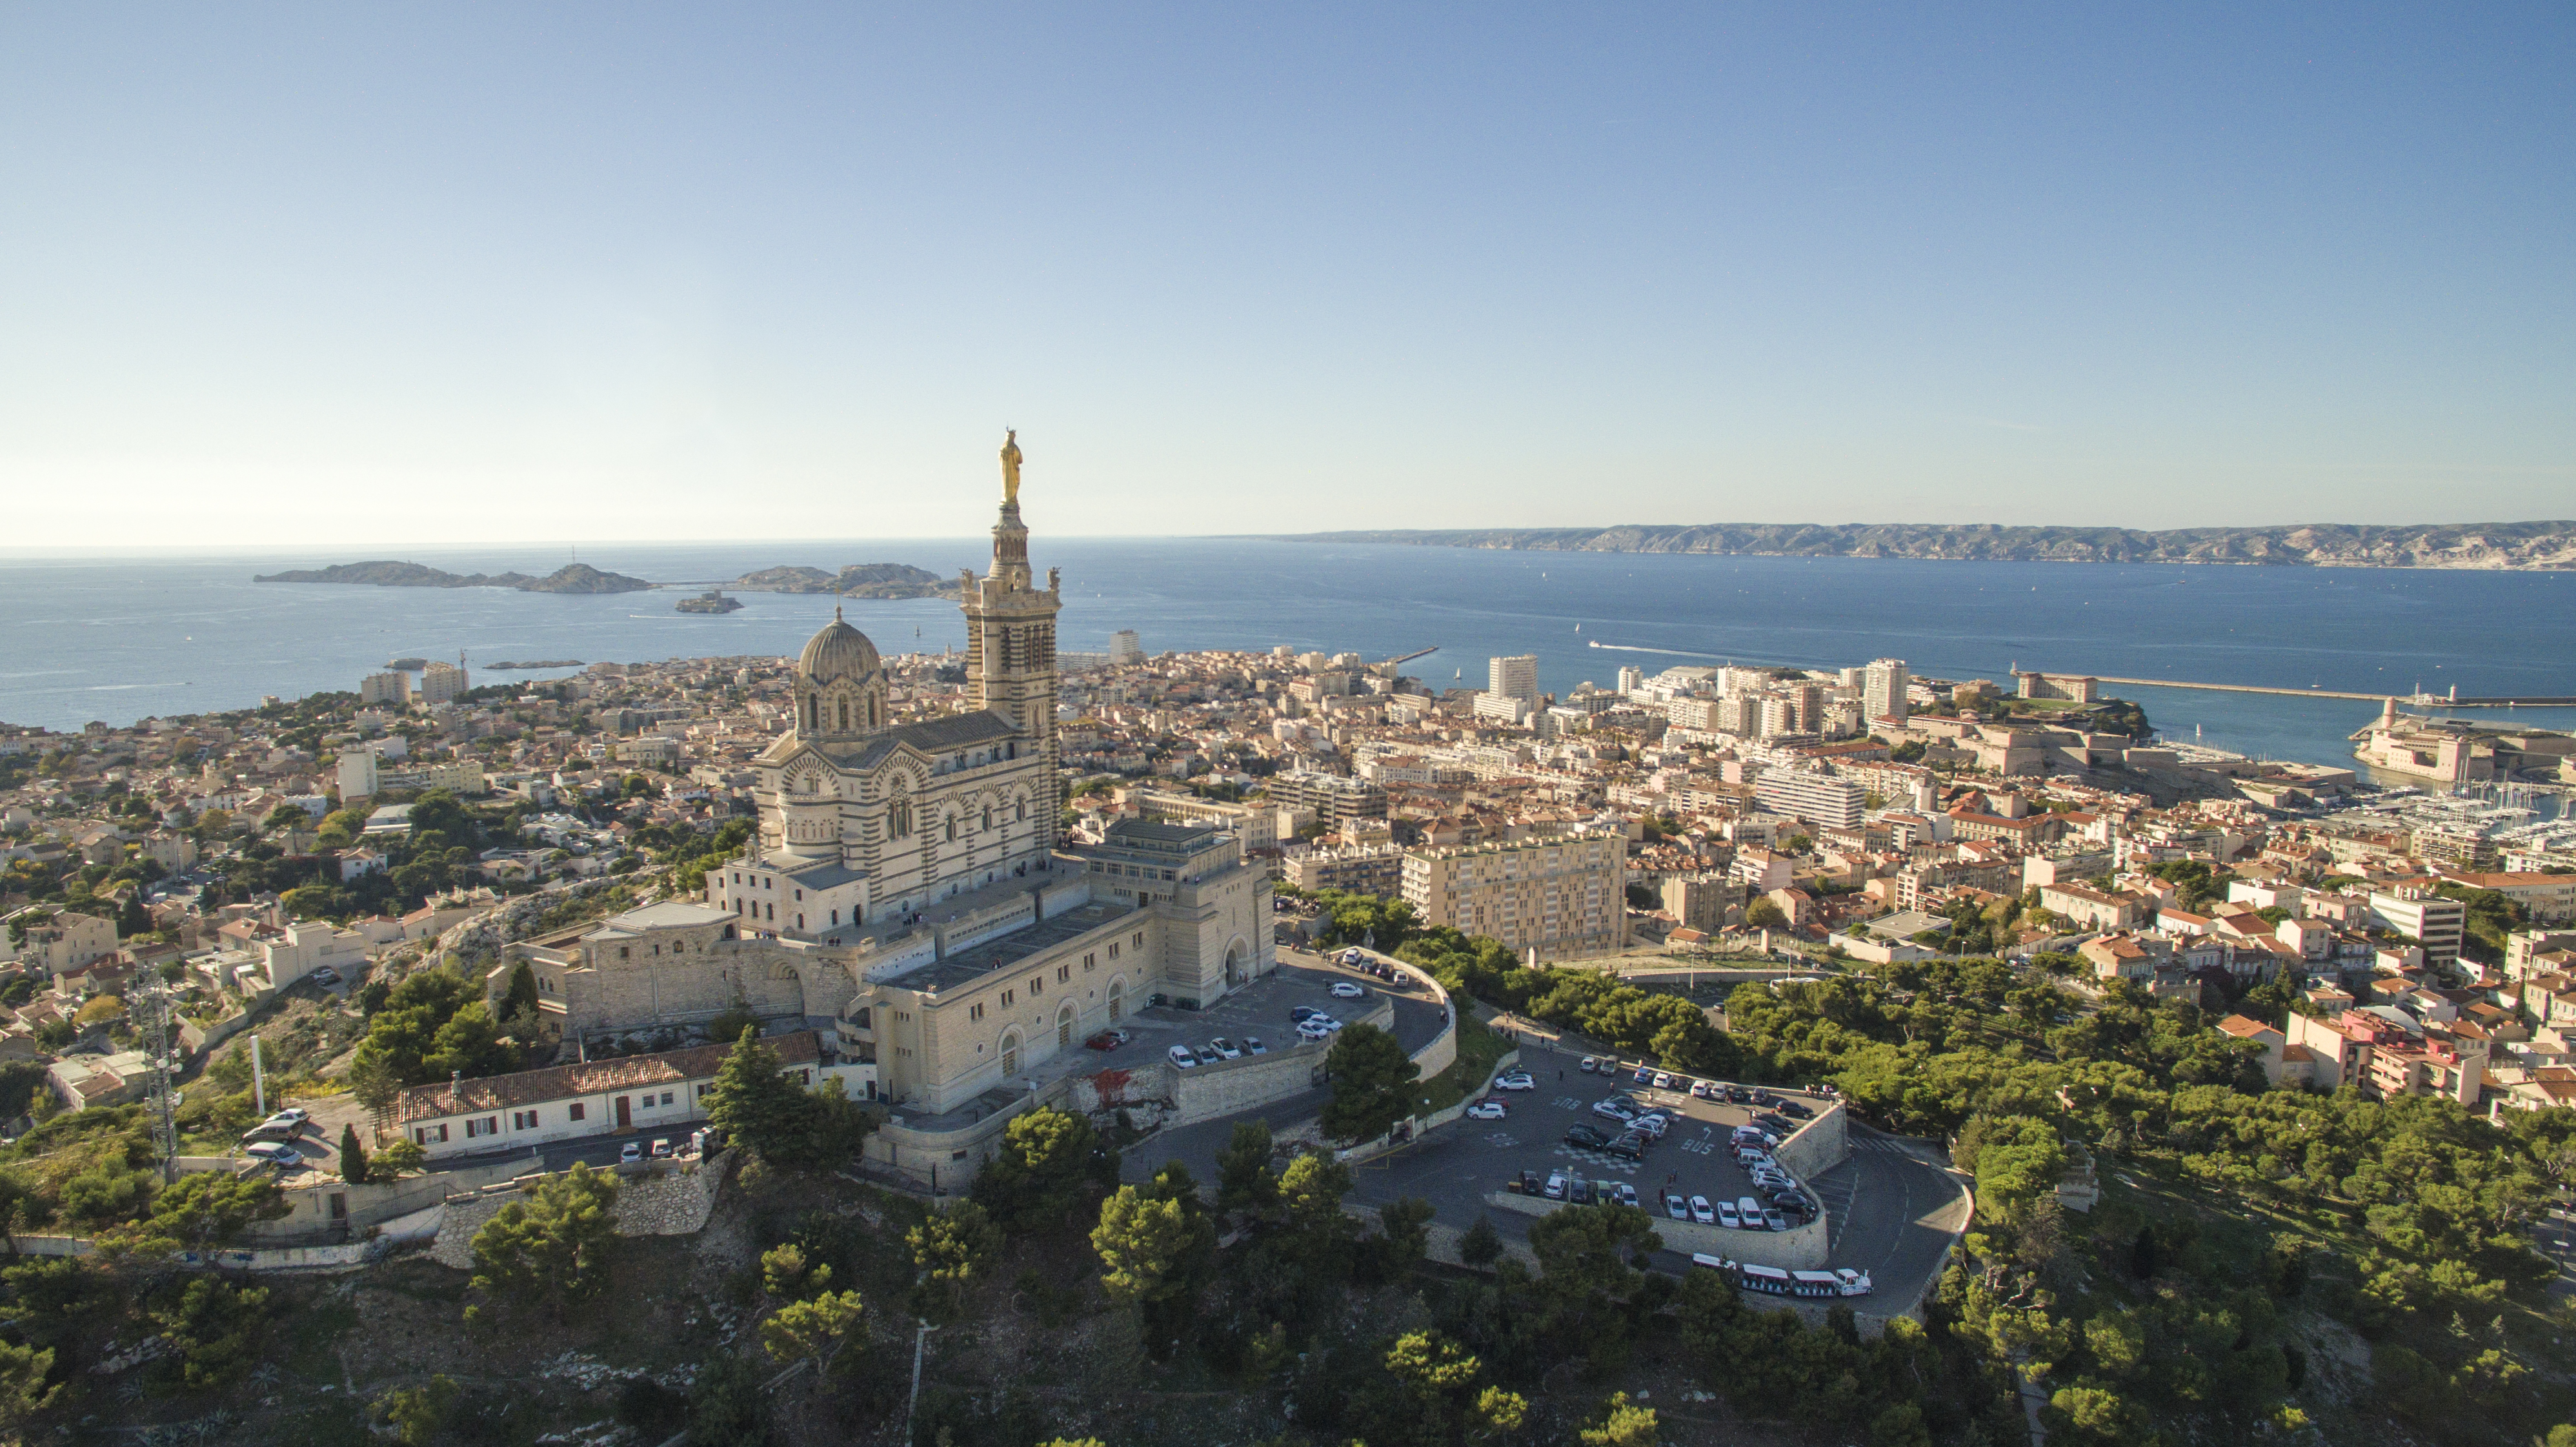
x: 1024, y: 808
x: 813, y: 719
x: 1117, y: 1000
x: 952, y: 828
x: 899, y: 818
x: 1064, y: 1027
x: 1011, y: 1053
x: 845, y: 715
x: 988, y: 816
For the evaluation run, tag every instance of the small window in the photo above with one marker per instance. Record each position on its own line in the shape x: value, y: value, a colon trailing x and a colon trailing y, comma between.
x: 1063, y: 973
x: 576, y: 1111
x: 974, y: 1012
x: 1008, y: 998
x: 624, y: 953
x: 668, y: 1097
x: 1037, y: 984
x: 1089, y: 962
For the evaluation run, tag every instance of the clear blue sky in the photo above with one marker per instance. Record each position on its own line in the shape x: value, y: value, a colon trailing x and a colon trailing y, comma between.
x: 372, y: 273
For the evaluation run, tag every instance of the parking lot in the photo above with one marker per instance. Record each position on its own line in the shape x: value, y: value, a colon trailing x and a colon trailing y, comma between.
x: 1455, y: 1166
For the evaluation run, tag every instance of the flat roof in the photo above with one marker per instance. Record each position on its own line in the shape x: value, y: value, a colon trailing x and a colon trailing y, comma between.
x: 971, y: 964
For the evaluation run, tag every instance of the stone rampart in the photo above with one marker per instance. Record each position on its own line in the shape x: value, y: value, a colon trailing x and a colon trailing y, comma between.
x: 1816, y: 1147
x: 1227, y: 1086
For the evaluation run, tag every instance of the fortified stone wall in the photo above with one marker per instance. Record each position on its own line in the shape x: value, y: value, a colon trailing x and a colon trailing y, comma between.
x: 1818, y: 1146
x: 1231, y: 1085
x: 653, y: 1199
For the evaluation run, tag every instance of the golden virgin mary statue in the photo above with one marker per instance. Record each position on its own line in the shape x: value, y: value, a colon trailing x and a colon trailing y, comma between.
x: 1011, y: 468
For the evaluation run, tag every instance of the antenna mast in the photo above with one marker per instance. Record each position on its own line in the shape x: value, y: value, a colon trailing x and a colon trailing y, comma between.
x: 153, y: 1016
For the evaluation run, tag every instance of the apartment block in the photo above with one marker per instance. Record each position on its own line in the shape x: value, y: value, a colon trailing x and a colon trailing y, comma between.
x: 1563, y: 895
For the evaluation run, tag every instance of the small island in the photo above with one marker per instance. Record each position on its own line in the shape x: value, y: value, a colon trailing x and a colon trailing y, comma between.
x: 571, y: 578
x: 712, y: 600
x: 856, y: 580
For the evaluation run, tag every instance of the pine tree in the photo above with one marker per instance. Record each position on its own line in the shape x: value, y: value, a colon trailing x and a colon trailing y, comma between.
x: 756, y: 1107
x: 1482, y: 1246
x: 353, y: 1156
x: 550, y: 1248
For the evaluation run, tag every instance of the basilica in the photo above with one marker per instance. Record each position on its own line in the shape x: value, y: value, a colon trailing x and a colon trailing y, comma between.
x: 861, y: 819
x: 905, y: 897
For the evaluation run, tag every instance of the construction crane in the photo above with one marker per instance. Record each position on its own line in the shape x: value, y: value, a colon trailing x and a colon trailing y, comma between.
x: 1387, y: 668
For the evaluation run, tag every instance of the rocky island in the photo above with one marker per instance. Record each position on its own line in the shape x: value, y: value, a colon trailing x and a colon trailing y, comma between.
x: 571, y: 578
x: 857, y: 580
x: 2532, y: 545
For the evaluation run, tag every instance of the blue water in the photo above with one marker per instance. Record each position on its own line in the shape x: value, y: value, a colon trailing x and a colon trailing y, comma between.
x: 117, y: 639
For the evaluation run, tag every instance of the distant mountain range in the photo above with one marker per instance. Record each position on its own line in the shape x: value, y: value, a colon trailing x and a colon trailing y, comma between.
x: 857, y: 580
x: 2331, y: 545
x: 571, y: 578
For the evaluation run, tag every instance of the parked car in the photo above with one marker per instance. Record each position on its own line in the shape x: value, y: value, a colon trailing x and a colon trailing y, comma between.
x: 1738, y: 1095
x: 1529, y: 1183
x: 1183, y: 1056
x: 1778, y: 1124
x: 1555, y: 1190
x: 1653, y: 1122
x: 1346, y: 990
x: 1703, y: 1089
x: 1312, y: 1031
x: 1486, y: 1110
x: 1728, y: 1216
x: 1773, y: 1220
x: 1614, y: 1109
x: 1794, y: 1200
x: 1627, y: 1194
x: 1675, y: 1206
x: 272, y: 1153
x: 1579, y: 1192
x: 272, y: 1131
x: 324, y: 975
x: 1107, y: 1040
x: 1702, y: 1212
x: 662, y: 1149
x: 634, y: 1151
x: 1517, y: 1080
x: 1208, y: 1056
x: 1663, y: 1080
x: 1252, y: 1046
x: 1226, y: 1048
x: 1765, y: 1098
x: 1589, y: 1065
x: 1584, y: 1137
x: 1628, y: 1146
x: 1795, y: 1111
x: 1645, y: 1075
x: 296, y: 1113
x: 1751, y: 1210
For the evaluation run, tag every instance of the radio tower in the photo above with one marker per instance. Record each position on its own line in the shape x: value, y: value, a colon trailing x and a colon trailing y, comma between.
x: 152, y: 1022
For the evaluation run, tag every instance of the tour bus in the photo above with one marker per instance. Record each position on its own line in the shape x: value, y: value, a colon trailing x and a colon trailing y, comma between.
x: 1845, y: 1282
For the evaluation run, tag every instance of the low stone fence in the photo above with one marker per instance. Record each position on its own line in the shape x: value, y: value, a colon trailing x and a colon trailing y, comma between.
x: 1800, y: 1248
x: 1421, y: 1123
x: 1442, y: 1051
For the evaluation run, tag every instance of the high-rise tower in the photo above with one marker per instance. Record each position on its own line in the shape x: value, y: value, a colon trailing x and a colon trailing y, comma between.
x: 1010, y: 638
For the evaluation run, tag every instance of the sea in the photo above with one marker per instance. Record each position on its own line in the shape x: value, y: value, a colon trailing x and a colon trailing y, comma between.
x: 92, y: 636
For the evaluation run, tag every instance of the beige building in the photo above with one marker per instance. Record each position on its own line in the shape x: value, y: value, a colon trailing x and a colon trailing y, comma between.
x: 1563, y: 895
x: 64, y: 942
x: 901, y: 905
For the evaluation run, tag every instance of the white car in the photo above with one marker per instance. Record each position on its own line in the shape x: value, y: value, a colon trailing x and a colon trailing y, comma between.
x: 1252, y: 1046
x: 1703, y: 1089
x: 271, y: 1153
x: 1517, y: 1080
x: 1663, y: 1080
x: 1613, y: 1110
x: 1314, y: 1030
x: 1702, y: 1212
x: 1345, y: 990
x: 1727, y: 1217
x: 291, y: 1115
x: 1652, y: 1124
x: 634, y: 1152
x: 1183, y: 1056
x: 1487, y: 1110
x: 1227, y: 1048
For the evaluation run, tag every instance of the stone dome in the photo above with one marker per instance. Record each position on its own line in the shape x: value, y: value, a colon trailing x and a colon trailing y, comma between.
x: 839, y: 651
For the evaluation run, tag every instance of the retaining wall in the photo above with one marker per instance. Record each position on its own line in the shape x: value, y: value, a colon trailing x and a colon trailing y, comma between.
x: 1801, y: 1248
x: 1227, y: 1086
x: 653, y: 1199
x: 1816, y: 1147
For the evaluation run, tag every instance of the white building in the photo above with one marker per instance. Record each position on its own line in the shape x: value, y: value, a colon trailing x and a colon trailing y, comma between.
x: 1816, y: 797
x: 1883, y: 690
x: 1513, y: 677
x: 1124, y: 648
x: 1564, y: 895
x: 2437, y: 924
x: 643, y: 1093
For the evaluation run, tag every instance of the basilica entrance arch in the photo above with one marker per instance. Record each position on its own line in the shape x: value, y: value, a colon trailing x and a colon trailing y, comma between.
x: 1011, y: 1053
x: 1238, y: 965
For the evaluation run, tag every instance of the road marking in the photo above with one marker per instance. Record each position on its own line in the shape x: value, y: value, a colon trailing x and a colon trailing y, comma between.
x: 1502, y: 1140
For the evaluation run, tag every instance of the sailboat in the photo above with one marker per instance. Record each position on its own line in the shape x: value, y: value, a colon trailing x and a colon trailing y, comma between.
x: 1578, y: 627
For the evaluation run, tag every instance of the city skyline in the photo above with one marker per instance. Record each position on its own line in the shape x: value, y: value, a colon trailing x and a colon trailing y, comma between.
x: 487, y: 276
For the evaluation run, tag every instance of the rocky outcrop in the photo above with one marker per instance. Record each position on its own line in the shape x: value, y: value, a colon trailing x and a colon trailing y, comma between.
x: 571, y: 578
x: 2533, y: 545
x: 856, y: 580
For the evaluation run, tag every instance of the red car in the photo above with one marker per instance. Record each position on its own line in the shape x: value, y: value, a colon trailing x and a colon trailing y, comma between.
x: 1107, y: 1040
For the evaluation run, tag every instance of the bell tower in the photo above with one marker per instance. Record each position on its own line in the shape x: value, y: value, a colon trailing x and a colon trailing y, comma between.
x: 1010, y: 640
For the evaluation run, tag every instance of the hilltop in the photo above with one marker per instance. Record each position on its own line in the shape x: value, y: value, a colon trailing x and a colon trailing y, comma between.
x: 571, y: 578
x: 2531, y: 545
